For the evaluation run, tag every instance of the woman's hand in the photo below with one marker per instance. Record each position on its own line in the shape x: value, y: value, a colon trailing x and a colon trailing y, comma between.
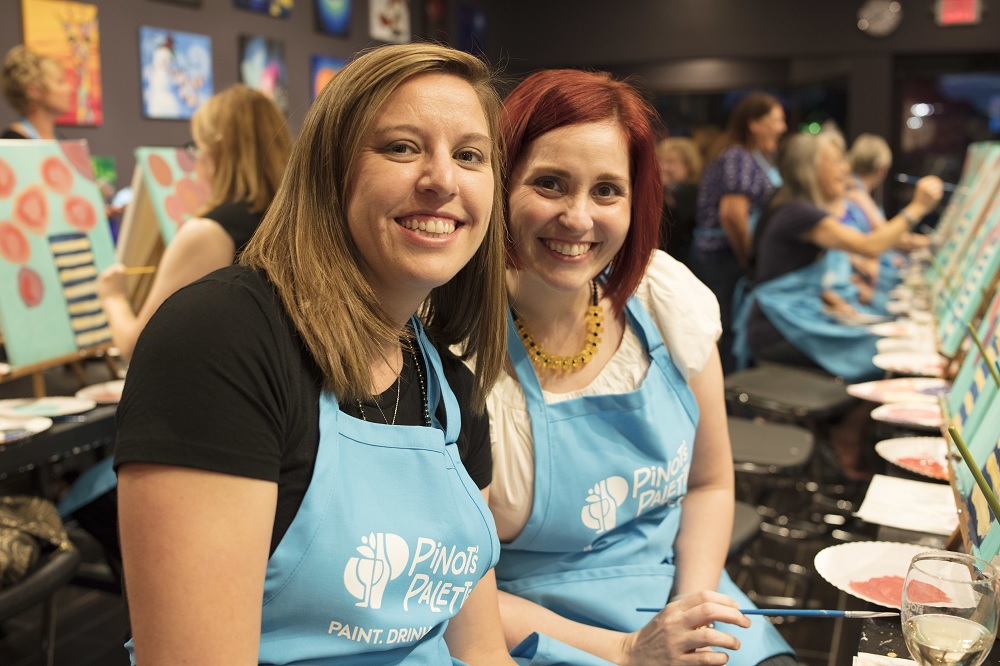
x: 927, y: 193
x: 683, y: 632
x: 911, y: 242
x: 111, y: 282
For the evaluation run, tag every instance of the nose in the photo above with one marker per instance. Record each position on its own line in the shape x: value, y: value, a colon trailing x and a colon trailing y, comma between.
x: 439, y: 175
x: 576, y: 216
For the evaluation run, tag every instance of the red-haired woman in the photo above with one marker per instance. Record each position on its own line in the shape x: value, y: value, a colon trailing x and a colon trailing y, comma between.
x: 611, y: 411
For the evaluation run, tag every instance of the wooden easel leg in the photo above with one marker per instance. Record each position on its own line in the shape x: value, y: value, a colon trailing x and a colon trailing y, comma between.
x: 78, y: 372
x: 113, y: 367
x: 38, y: 384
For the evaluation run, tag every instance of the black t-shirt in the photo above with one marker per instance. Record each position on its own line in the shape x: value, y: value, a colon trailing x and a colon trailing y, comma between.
x: 221, y: 381
x: 11, y: 133
x: 238, y: 221
x: 781, y: 249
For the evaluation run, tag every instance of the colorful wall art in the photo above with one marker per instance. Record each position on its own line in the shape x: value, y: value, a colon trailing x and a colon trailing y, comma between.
x: 324, y: 68
x: 176, y: 72
x: 68, y: 32
x: 333, y: 17
x: 389, y: 21
x: 262, y: 66
x: 54, y: 240
x: 275, y: 8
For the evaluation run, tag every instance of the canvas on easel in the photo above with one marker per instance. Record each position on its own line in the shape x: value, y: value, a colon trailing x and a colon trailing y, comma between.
x: 54, y: 241
x: 166, y: 191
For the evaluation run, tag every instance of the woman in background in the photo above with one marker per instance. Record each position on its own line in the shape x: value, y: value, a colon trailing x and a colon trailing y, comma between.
x: 611, y: 411
x: 680, y: 170
x: 242, y: 145
x: 36, y: 88
x: 734, y: 189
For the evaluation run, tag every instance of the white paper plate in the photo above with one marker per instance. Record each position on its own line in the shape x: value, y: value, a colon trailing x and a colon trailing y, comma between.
x: 21, y: 427
x: 901, y: 389
x: 902, y: 328
x: 886, y: 345
x: 927, y: 456
x: 859, y: 318
x: 873, y: 571
x: 108, y: 393
x: 54, y: 406
x: 922, y: 415
x: 899, y: 307
x: 911, y: 363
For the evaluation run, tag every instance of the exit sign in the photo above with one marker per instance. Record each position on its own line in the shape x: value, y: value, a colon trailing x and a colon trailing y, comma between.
x: 958, y: 12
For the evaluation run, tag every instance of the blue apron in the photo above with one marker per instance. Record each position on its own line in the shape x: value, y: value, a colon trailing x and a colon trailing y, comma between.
x: 29, y: 128
x: 391, y: 537
x: 610, y: 474
x: 793, y: 304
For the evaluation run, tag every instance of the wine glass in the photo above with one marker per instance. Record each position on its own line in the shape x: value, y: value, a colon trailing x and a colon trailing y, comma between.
x: 949, y: 609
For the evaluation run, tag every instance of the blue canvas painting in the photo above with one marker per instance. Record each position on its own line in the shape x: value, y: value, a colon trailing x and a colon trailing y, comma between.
x: 176, y: 72
x: 334, y: 17
x: 262, y: 66
x: 275, y: 8
x: 324, y: 68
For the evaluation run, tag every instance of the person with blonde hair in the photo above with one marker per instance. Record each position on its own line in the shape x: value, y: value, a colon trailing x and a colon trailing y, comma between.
x: 241, y: 144
x: 680, y: 170
x: 303, y: 465
x: 35, y: 86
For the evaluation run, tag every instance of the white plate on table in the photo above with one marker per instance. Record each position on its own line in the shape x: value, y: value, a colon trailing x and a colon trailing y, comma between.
x: 887, y: 345
x: 922, y: 415
x: 924, y: 364
x: 859, y: 318
x: 926, y: 456
x: 52, y: 406
x: 901, y: 389
x: 17, y: 428
x: 106, y: 393
x: 901, y: 328
x: 872, y: 571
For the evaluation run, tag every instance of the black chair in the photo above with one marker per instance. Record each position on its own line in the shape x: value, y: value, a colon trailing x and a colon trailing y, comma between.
x: 39, y: 587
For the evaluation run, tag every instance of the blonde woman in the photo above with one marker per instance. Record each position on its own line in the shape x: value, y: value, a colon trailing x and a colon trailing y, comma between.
x: 36, y: 88
x: 303, y: 475
x: 241, y: 145
x: 680, y: 170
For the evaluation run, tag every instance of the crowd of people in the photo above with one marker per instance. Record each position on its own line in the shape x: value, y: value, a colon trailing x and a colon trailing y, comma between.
x: 441, y: 379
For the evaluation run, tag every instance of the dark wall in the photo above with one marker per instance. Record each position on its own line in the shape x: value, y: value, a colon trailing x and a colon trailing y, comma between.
x: 124, y: 127
x: 711, y: 45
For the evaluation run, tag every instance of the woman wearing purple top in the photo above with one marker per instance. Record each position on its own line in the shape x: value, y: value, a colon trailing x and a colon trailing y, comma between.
x: 734, y: 188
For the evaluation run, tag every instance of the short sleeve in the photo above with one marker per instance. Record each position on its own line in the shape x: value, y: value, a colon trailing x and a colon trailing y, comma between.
x: 738, y: 170
x: 685, y: 311
x: 205, y: 387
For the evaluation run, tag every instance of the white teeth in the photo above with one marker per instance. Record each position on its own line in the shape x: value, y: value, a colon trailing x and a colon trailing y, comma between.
x: 438, y: 226
x: 569, y: 249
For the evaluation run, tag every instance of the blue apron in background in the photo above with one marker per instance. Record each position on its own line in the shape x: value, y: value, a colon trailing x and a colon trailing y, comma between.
x: 391, y: 537
x: 793, y: 304
x: 610, y: 474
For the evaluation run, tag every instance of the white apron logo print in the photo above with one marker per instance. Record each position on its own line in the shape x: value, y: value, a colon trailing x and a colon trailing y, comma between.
x: 383, y: 558
x: 603, y: 500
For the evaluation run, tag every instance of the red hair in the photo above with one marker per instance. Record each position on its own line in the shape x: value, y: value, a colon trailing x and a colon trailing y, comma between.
x: 555, y: 98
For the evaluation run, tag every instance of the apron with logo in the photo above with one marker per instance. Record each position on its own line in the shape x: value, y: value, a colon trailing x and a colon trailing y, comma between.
x: 610, y: 474
x: 793, y: 304
x: 391, y: 538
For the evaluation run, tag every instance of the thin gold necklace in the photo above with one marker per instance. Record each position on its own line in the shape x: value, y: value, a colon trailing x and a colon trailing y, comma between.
x: 594, y: 321
x: 395, y: 410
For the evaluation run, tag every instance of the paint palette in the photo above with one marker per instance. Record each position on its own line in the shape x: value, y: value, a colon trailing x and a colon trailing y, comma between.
x: 927, y: 456
x: 901, y: 328
x: 924, y: 364
x: 48, y: 407
x: 872, y: 571
x: 901, y: 389
x: 107, y: 393
x: 13, y: 429
x: 920, y: 415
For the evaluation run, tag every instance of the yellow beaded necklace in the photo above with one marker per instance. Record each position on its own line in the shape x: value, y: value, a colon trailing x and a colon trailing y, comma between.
x: 545, y: 361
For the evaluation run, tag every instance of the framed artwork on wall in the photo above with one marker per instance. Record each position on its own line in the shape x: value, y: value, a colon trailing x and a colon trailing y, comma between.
x: 323, y: 69
x: 68, y: 32
x: 333, y: 17
x: 176, y: 72
x: 262, y: 66
x: 389, y: 21
x: 275, y: 8
x: 186, y: 3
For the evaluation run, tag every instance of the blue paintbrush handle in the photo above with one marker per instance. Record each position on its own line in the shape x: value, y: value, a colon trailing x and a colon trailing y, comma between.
x: 799, y: 612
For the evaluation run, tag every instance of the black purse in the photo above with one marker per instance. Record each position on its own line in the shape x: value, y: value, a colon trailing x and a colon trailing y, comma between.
x: 29, y: 528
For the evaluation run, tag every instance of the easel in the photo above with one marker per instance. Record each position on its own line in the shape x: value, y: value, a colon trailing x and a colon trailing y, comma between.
x: 74, y: 361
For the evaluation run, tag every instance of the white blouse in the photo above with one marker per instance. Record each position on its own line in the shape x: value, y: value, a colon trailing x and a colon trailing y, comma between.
x: 687, y: 315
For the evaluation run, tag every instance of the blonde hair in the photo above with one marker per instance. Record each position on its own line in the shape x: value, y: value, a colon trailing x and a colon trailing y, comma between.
x: 247, y: 140
x: 689, y: 152
x: 306, y: 248
x: 21, y: 69
x: 869, y: 154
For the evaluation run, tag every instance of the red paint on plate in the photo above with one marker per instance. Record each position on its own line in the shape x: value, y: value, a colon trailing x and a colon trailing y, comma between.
x: 888, y: 590
x: 924, y: 466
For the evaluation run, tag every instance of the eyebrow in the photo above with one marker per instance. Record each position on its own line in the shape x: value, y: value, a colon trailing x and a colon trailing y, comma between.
x: 469, y: 136
x: 564, y: 173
